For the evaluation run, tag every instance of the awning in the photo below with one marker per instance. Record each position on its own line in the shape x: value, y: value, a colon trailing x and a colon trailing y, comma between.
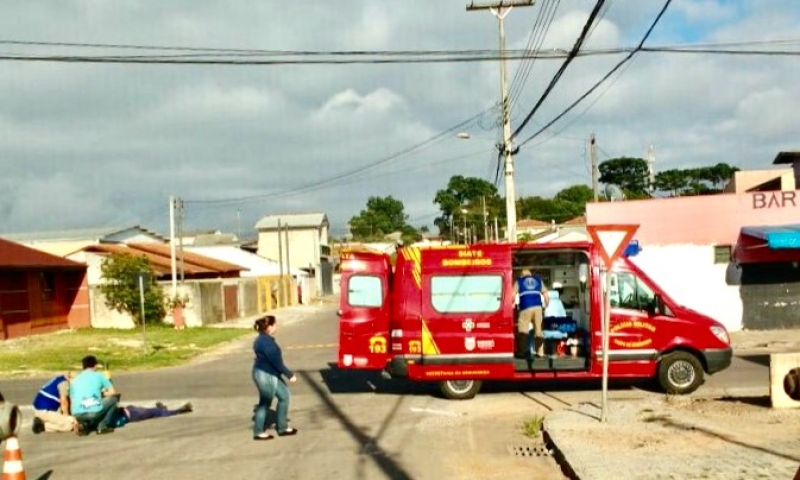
x: 774, y: 243
x: 777, y: 236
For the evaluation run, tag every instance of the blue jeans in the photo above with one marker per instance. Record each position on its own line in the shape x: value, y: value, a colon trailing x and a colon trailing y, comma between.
x: 103, y: 418
x: 270, y: 386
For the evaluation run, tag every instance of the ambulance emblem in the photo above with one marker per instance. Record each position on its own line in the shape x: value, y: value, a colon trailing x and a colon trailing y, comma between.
x: 469, y: 343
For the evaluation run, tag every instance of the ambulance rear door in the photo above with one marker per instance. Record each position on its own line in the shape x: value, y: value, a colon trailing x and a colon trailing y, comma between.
x: 364, y: 311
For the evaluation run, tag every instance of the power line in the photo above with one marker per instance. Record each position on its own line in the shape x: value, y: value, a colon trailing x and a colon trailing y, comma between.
x: 570, y: 57
x: 609, y: 74
x: 539, y: 32
x: 417, y: 57
x: 350, y: 173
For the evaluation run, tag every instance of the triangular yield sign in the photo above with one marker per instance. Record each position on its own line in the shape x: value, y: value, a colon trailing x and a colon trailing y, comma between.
x: 611, y: 240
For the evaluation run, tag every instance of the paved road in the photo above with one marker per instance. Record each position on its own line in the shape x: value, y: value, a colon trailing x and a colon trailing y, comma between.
x: 351, y: 425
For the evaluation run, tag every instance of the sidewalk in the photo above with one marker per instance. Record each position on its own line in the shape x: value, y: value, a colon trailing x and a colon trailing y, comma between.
x: 683, y: 437
x: 285, y: 315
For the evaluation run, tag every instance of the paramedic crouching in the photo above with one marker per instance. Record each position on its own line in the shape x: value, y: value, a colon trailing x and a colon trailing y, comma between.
x: 532, y: 302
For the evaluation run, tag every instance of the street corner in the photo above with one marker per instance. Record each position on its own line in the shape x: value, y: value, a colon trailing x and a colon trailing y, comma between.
x: 764, y: 341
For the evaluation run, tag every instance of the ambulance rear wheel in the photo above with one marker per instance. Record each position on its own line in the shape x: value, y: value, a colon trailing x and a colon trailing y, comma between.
x: 460, y: 389
x: 680, y: 373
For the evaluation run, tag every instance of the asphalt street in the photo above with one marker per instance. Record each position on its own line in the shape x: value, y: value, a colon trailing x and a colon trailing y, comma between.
x: 352, y: 424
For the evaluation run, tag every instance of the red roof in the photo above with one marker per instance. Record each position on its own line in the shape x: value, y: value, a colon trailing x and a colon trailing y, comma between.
x: 576, y: 221
x: 160, y: 258
x: 14, y: 255
x: 531, y: 223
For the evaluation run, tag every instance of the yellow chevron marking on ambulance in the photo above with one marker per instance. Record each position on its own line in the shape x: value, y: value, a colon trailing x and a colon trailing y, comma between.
x: 413, y: 255
x: 428, y: 344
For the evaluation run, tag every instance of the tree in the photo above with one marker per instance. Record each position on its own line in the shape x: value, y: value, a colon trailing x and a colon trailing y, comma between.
x: 576, y: 194
x: 565, y: 205
x: 694, y: 181
x: 383, y: 215
x: 629, y: 174
x: 466, y: 200
x: 121, y: 288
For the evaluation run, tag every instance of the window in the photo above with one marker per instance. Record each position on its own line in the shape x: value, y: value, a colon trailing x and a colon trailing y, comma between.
x: 467, y: 293
x: 628, y: 291
x: 722, y: 253
x: 47, y: 286
x: 365, y: 291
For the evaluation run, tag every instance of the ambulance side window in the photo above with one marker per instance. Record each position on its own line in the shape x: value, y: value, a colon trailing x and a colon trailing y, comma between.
x: 364, y: 291
x: 466, y: 293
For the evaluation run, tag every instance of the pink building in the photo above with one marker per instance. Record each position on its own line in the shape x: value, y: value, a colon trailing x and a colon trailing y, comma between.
x: 733, y: 257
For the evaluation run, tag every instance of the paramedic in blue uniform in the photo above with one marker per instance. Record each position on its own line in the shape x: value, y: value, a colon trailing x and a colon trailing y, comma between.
x: 532, y: 302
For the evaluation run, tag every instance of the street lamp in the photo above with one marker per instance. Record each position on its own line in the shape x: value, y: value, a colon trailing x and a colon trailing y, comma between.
x: 464, y: 216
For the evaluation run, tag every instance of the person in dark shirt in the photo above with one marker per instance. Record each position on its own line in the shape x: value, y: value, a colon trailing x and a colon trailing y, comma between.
x: 267, y: 370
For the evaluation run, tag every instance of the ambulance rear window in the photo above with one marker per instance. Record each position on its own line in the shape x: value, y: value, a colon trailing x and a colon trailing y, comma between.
x: 466, y: 293
x: 365, y: 291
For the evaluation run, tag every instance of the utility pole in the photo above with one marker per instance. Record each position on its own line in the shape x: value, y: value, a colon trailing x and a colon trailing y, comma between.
x: 172, y: 255
x: 485, y: 220
x: 651, y: 164
x: 180, y: 238
x: 595, y: 171
x: 500, y: 9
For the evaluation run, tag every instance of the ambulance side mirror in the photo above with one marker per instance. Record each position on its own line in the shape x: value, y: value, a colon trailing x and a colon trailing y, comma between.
x: 657, y: 307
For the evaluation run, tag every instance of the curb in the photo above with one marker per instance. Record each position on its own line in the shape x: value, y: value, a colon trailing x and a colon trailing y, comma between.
x: 559, y: 457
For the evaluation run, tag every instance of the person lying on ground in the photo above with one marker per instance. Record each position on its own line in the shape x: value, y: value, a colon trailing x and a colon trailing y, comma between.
x: 133, y: 413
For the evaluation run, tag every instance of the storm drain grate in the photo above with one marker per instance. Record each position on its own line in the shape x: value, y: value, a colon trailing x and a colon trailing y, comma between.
x: 529, y: 450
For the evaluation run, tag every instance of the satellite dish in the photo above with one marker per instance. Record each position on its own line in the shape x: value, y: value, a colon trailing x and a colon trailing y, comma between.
x: 613, y: 193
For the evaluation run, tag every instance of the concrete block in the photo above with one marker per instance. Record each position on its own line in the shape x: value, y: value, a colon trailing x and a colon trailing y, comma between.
x: 784, y: 380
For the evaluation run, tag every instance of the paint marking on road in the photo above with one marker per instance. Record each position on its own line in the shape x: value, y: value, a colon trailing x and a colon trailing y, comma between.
x: 435, y: 412
x: 317, y: 345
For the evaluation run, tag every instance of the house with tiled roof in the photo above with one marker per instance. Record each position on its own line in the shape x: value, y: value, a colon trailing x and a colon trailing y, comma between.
x: 529, y: 228
x: 190, y: 267
x: 40, y: 292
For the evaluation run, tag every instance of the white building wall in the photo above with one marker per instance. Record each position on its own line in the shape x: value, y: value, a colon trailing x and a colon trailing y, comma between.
x: 688, y: 274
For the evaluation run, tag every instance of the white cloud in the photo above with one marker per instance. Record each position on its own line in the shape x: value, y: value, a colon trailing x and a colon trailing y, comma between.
x: 706, y: 10
x: 112, y: 142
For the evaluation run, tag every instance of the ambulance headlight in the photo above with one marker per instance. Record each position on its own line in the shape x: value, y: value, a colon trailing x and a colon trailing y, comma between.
x: 721, y: 333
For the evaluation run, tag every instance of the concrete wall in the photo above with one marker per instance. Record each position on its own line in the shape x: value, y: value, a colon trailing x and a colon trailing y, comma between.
x: 303, y: 247
x: 689, y: 275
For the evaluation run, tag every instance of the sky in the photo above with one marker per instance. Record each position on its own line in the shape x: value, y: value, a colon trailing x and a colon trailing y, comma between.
x: 88, y: 145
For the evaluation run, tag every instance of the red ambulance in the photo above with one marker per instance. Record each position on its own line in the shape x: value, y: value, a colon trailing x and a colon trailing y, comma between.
x: 447, y: 314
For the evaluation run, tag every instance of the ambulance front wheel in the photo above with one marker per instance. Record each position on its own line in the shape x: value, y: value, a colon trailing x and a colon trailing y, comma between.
x: 680, y: 373
x: 460, y: 389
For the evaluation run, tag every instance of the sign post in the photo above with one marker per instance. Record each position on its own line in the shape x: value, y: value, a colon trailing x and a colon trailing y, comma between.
x: 611, y: 241
x: 144, y: 279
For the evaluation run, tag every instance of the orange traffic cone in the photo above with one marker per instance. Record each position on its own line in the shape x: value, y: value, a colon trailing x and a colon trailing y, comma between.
x: 12, y: 461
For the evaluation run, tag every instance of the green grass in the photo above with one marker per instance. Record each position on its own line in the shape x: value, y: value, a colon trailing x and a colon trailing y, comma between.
x: 532, y: 427
x: 121, y: 349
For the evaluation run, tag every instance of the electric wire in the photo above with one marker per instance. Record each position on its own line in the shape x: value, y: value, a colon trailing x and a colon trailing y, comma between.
x: 605, y: 77
x: 539, y: 32
x: 572, y: 55
x: 360, y: 170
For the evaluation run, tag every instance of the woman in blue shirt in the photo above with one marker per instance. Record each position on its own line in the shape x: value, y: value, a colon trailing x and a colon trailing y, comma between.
x: 267, y: 370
